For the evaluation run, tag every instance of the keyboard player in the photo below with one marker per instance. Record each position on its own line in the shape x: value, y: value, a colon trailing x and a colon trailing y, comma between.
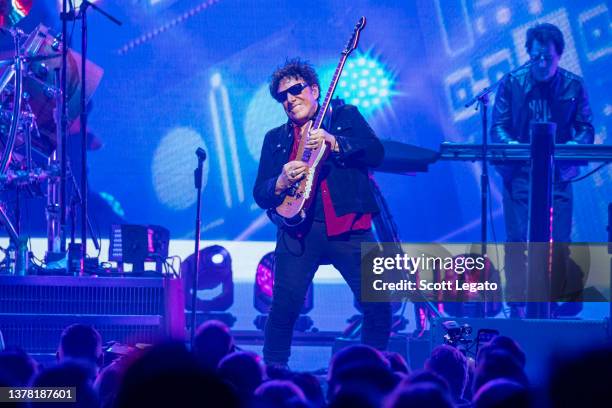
x: 542, y: 91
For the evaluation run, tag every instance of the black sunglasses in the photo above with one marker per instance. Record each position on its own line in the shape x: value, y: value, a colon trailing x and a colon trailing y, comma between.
x: 294, y: 90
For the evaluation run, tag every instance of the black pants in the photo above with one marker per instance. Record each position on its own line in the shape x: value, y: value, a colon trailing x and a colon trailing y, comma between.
x: 297, y: 260
x: 516, y: 216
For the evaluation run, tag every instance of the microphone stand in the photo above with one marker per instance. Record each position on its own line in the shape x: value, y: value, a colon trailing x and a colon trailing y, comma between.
x: 78, y: 198
x: 84, y: 187
x: 197, y: 179
x: 65, y: 15
x: 482, y: 98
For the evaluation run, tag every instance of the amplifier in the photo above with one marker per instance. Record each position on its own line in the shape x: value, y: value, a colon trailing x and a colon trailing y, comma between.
x: 35, y: 309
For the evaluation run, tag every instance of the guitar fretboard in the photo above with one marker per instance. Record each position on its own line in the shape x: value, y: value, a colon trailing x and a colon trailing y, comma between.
x: 326, y: 101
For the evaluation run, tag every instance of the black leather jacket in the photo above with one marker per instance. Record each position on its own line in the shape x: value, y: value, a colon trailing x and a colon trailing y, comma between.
x: 569, y: 108
x: 347, y: 172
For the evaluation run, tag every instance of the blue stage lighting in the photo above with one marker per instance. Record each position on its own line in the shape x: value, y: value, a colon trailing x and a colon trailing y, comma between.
x: 262, y: 113
x: 172, y: 173
x: 365, y: 82
x: 113, y: 203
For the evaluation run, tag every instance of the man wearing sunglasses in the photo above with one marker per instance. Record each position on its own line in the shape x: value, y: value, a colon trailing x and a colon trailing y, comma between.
x: 339, y: 219
x: 540, y: 92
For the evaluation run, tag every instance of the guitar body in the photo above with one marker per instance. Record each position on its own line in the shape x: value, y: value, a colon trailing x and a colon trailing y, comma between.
x: 300, y: 196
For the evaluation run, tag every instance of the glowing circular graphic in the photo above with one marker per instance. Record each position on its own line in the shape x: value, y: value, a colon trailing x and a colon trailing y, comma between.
x: 365, y: 82
x: 263, y: 113
x: 172, y: 168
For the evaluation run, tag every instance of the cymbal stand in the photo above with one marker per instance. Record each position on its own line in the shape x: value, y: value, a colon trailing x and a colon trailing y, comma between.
x: 56, y: 241
x: 18, y: 243
x: 82, y: 15
x: 62, y: 137
x: 77, y: 198
x: 17, y: 71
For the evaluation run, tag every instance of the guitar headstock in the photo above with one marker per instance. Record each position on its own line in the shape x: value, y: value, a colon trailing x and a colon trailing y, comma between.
x: 354, y: 40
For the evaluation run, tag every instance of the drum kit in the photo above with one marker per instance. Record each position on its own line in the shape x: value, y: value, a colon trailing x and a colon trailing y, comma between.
x: 30, y: 128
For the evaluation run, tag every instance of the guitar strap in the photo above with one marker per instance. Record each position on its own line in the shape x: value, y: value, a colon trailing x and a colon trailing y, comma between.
x: 327, y: 119
x: 334, y: 104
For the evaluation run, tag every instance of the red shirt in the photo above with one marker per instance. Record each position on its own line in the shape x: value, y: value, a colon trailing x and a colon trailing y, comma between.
x: 336, y: 224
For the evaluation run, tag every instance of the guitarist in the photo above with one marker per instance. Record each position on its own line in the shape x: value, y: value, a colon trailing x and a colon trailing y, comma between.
x: 340, y: 216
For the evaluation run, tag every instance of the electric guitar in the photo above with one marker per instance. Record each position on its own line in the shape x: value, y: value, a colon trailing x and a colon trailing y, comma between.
x: 301, y: 195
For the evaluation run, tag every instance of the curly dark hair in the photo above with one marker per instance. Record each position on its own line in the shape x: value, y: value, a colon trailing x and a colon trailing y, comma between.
x: 294, y: 68
x: 545, y: 33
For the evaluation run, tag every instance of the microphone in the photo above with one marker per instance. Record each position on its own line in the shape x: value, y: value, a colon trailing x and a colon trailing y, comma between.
x: 482, y: 94
x: 197, y: 173
x: 528, y: 63
x: 201, y: 153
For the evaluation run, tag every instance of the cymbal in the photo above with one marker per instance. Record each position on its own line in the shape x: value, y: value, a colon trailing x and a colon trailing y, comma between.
x: 39, y: 83
x: 41, y: 44
x: 36, y: 58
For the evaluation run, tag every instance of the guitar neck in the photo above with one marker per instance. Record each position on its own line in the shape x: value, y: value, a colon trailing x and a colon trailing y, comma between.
x: 330, y: 92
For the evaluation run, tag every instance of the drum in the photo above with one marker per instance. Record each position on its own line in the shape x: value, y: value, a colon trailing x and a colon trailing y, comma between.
x: 42, y: 66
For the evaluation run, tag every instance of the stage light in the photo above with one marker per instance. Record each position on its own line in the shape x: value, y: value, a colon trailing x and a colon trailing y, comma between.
x: 264, y: 281
x: 365, y: 82
x: 217, y: 259
x: 262, y: 296
x: 20, y: 8
x: 215, y: 291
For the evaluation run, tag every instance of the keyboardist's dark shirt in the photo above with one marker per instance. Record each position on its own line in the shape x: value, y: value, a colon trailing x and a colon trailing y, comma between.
x: 539, y: 104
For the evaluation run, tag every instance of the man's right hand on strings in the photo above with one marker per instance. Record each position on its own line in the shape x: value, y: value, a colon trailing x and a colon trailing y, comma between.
x: 292, y: 172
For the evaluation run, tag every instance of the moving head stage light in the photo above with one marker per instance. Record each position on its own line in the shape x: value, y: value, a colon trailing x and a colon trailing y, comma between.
x: 262, y: 295
x: 215, y: 292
